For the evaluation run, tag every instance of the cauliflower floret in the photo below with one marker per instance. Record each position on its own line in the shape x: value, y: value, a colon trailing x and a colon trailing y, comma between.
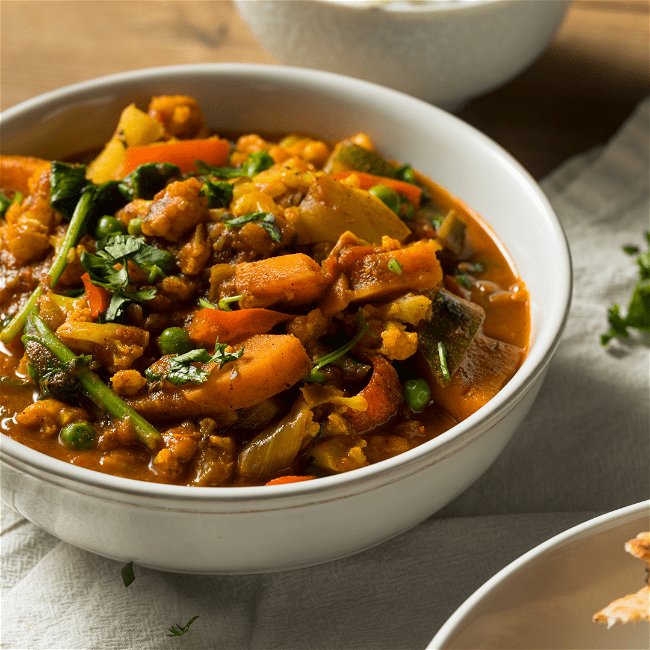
x: 397, y: 343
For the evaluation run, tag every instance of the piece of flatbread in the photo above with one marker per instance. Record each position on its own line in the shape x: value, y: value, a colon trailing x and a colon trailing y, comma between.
x: 633, y: 607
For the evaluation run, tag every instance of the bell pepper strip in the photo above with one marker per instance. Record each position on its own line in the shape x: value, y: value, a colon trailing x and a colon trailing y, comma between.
x: 412, y: 192
x: 383, y: 393
x: 285, y: 480
x: 209, y: 324
x: 98, y: 298
x: 182, y: 153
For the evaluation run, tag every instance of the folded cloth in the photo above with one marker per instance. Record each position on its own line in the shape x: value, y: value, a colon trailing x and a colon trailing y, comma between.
x: 583, y: 450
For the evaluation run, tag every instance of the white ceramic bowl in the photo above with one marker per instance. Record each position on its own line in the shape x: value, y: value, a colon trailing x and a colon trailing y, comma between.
x: 546, y: 598
x: 259, y: 529
x: 442, y: 51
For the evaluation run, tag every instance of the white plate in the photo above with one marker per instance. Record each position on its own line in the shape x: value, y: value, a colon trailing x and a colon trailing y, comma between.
x: 546, y: 598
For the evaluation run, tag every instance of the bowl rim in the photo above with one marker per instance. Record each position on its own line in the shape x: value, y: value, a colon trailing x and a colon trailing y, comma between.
x: 402, y: 7
x: 592, y: 526
x: 538, y: 357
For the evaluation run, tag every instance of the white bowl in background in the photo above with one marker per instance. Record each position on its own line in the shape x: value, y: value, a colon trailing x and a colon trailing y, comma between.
x: 261, y: 529
x: 444, y: 52
x: 546, y: 598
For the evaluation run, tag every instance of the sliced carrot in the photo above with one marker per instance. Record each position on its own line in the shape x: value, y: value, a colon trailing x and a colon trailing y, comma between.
x: 182, y: 153
x: 98, y: 298
x: 284, y: 480
x: 231, y: 326
x: 412, y: 192
x: 383, y: 393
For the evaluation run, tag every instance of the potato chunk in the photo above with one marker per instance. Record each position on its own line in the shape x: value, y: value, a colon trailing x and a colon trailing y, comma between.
x: 292, y: 279
x: 330, y: 208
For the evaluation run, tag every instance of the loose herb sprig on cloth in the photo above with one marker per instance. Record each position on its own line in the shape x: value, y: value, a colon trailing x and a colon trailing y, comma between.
x: 127, y: 574
x: 177, y: 630
x: 638, y: 310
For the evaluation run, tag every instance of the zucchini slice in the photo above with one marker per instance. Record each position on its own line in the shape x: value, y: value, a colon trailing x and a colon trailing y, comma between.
x: 348, y: 156
x: 454, y: 322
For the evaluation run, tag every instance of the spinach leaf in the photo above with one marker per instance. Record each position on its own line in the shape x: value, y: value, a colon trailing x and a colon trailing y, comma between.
x: 67, y: 184
x: 145, y: 181
x: 219, y: 193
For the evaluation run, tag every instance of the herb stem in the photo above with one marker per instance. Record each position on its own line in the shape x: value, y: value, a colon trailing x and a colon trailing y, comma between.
x: 314, y: 374
x: 94, y: 388
x: 442, y: 355
x: 16, y: 324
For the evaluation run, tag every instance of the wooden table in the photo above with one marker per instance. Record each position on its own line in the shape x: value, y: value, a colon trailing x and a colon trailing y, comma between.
x: 574, y: 97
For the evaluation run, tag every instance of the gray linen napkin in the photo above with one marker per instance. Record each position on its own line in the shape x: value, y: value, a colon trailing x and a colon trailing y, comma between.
x: 583, y: 450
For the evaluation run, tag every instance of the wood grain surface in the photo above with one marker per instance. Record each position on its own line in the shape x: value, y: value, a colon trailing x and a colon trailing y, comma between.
x: 573, y: 98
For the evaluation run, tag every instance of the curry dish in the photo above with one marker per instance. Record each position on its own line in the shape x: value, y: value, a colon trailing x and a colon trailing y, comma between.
x: 204, y: 310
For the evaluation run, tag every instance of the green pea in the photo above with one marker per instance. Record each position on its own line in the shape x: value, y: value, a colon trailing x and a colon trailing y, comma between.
x: 78, y: 435
x: 388, y: 195
x: 108, y: 226
x: 135, y: 227
x: 175, y: 340
x: 417, y: 394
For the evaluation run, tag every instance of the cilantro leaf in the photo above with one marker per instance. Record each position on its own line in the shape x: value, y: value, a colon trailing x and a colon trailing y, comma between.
x: 109, y: 269
x: 257, y: 162
x: 5, y: 202
x: 203, y: 169
x: 180, y: 369
x: 178, y: 630
x: 265, y: 220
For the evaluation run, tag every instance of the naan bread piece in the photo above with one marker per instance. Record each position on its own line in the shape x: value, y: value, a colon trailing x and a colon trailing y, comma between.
x: 633, y: 607
x: 640, y: 547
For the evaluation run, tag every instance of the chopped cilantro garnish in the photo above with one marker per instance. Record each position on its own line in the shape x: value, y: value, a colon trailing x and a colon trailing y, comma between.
x: 180, y: 369
x: 638, y: 310
x: 263, y: 219
x: 395, y: 266
x: 257, y: 162
x: 109, y: 269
